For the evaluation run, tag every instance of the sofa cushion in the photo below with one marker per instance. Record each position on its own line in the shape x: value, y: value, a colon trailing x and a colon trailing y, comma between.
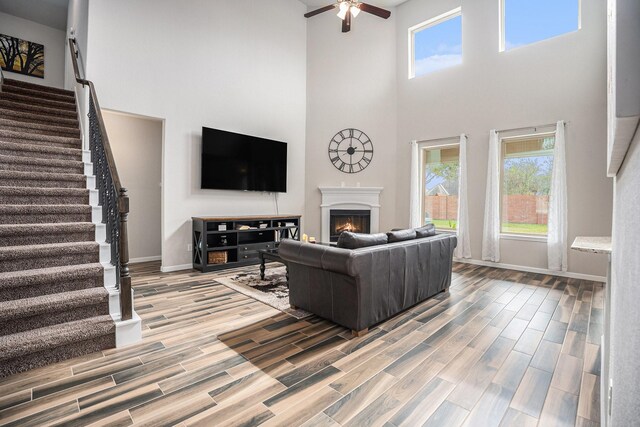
x: 401, y: 235
x: 349, y: 240
x: 426, y: 231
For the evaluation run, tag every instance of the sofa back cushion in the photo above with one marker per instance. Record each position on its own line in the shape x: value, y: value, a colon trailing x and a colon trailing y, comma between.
x: 349, y: 240
x: 401, y: 235
x: 426, y: 231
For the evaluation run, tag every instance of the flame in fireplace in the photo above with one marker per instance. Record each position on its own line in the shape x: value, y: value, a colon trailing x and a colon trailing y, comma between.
x: 346, y: 227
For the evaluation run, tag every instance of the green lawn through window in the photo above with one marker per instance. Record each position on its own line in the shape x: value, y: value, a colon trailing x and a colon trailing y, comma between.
x: 507, y: 227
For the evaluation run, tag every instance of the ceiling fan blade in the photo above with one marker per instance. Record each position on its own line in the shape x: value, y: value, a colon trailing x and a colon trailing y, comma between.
x: 375, y: 10
x: 346, y: 23
x: 319, y: 11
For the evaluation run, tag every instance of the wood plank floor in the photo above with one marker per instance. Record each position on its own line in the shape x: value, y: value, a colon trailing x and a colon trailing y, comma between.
x: 502, y: 348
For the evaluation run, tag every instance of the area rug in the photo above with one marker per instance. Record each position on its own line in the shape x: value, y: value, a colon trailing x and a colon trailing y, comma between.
x: 272, y: 291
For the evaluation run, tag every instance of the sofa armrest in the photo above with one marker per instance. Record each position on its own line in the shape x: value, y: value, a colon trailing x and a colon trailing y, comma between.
x: 318, y: 256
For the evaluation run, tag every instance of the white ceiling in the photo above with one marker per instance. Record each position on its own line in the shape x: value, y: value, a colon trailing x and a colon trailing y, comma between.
x: 52, y: 13
x: 379, y: 3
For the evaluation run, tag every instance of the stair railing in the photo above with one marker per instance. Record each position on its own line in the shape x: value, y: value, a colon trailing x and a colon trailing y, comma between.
x: 113, y: 197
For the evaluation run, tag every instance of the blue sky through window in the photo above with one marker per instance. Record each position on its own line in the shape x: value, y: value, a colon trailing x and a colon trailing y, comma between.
x: 439, y: 46
x: 529, y: 21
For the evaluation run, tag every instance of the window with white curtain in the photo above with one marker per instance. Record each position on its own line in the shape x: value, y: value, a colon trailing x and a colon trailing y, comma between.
x: 435, y: 44
x: 439, y: 172
x: 527, y: 164
x: 523, y: 22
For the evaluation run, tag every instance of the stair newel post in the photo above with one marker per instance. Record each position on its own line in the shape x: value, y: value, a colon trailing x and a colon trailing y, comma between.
x: 126, y: 306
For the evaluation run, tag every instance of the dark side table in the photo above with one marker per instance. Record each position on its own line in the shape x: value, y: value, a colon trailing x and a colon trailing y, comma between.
x: 271, y: 254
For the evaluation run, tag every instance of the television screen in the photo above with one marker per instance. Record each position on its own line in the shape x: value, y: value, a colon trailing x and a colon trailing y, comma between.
x: 231, y: 161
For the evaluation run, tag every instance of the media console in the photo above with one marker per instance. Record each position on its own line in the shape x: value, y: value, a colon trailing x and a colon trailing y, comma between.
x: 226, y: 242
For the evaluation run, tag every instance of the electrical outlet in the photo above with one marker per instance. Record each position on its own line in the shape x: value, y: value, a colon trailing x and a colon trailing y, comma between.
x: 188, y: 247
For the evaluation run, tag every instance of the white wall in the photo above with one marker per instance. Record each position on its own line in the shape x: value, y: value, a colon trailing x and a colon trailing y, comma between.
x: 351, y: 82
x: 77, y: 17
x: 234, y: 65
x: 51, y: 38
x: 560, y: 78
x: 625, y: 293
x: 137, y: 149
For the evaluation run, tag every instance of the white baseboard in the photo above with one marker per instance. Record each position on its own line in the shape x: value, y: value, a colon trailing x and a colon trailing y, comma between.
x: 173, y: 268
x: 127, y: 331
x: 533, y: 270
x: 145, y: 259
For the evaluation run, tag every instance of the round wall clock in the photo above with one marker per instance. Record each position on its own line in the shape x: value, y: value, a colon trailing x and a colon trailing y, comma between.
x: 350, y: 150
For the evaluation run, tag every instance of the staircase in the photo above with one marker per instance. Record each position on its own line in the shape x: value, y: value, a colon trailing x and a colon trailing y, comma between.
x: 53, y: 301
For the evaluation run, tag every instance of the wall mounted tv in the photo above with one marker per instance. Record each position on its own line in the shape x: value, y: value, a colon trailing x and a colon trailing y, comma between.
x: 231, y: 161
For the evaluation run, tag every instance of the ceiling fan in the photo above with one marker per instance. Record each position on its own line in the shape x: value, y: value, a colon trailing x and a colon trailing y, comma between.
x: 348, y: 9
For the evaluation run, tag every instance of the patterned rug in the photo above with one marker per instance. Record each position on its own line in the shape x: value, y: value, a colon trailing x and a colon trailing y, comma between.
x: 272, y: 291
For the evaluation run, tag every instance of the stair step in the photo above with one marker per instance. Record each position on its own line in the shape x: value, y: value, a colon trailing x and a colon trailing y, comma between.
x: 38, y: 129
x: 20, y: 163
x: 38, y: 139
x: 37, y: 109
x: 32, y: 214
x: 38, y: 347
x: 34, y: 234
x: 37, y: 88
x: 51, y: 280
x: 29, y: 257
x: 10, y: 178
x: 39, y: 151
x: 43, y: 196
x: 37, y: 93
x: 36, y: 100
x: 47, y: 310
x: 9, y: 113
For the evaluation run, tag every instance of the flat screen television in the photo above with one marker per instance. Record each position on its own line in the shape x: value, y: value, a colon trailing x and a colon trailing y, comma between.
x: 231, y: 161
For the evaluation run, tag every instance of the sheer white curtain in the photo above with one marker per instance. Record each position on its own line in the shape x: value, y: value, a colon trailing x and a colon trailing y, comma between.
x: 463, y: 250
x: 557, y: 234
x: 414, y: 205
x: 491, y: 235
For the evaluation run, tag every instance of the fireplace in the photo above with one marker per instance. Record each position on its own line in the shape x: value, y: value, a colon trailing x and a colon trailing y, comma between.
x: 357, y: 221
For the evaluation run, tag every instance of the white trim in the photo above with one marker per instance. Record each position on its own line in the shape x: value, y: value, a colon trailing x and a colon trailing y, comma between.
x: 173, y: 268
x: 127, y: 331
x: 523, y: 237
x: 569, y: 274
x: 423, y: 25
x: 145, y: 259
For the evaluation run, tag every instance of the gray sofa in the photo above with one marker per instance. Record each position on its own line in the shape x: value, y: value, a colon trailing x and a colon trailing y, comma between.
x: 358, y: 288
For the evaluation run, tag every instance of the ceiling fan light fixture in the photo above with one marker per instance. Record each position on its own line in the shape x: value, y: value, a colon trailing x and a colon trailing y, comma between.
x: 344, y: 9
x: 355, y: 9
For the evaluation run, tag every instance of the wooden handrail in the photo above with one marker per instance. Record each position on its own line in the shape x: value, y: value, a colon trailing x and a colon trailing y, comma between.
x: 119, y: 241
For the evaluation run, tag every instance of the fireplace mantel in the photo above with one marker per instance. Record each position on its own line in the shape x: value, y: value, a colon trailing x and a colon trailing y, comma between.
x: 364, y: 198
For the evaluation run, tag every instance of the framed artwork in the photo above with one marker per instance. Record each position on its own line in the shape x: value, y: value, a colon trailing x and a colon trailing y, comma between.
x: 21, y: 56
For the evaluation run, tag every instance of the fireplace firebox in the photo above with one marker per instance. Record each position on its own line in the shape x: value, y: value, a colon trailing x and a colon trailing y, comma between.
x: 357, y: 221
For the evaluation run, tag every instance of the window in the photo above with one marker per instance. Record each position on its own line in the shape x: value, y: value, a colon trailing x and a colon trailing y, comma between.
x: 435, y: 44
x: 527, y: 162
x: 528, y: 21
x: 439, y: 169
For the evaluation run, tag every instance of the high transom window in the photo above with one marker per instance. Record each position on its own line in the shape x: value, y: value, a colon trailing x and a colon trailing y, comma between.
x: 527, y: 163
x: 528, y: 21
x: 436, y: 44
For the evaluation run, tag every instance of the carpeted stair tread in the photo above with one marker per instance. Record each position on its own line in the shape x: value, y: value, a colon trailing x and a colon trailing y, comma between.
x: 43, y: 196
x: 10, y: 178
x: 37, y: 93
x: 37, y: 88
x: 21, y: 163
x: 33, y: 234
x: 66, y: 301
x: 44, y: 276
x: 37, y: 109
x: 36, y: 138
x: 39, y: 129
x: 14, y: 252
x: 39, y: 151
x: 9, y: 113
x: 32, y: 214
x: 50, y: 337
x: 37, y: 100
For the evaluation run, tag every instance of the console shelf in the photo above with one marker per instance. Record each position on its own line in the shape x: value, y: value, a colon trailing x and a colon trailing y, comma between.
x: 216, y: 239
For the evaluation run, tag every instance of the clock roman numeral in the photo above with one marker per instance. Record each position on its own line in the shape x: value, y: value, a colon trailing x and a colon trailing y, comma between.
x: 366, y: 159
x: 350, y: 168
x: 342, y: 166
